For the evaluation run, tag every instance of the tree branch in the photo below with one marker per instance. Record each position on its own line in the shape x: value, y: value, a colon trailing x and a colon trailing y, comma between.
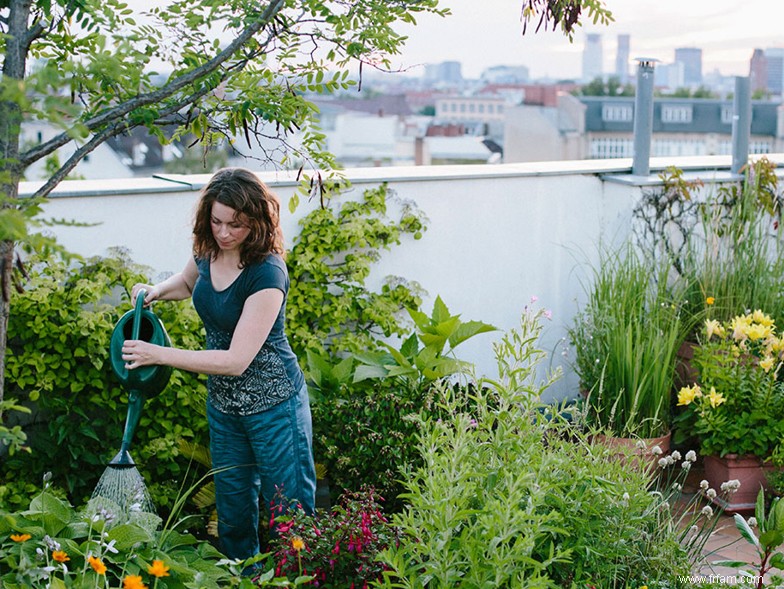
x: 117, y: 112
x: 76, y: 157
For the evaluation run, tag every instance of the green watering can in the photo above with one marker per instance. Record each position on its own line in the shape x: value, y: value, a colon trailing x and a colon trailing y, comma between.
x: 147, y: 381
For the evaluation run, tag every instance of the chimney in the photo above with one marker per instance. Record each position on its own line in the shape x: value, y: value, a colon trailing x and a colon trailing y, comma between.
x: 741, y: 123
x: 643, y: 117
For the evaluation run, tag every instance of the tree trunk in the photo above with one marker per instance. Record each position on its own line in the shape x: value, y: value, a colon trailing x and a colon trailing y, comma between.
x: 16, y: 48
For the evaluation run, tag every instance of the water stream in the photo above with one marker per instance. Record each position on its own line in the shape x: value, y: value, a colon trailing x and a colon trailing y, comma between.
x: 124, y: 487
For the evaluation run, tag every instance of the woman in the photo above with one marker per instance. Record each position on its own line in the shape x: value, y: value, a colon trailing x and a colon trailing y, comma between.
x: 257, y: 403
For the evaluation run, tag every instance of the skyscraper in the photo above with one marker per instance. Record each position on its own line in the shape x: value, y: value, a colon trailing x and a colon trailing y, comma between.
x: 758, y: 71
x: 775, y: 60
x: 691, y: 58
x: 622, y: 59
x: 592, y: 57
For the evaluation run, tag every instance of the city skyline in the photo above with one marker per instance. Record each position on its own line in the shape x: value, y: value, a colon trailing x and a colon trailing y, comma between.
x: 487, y: 33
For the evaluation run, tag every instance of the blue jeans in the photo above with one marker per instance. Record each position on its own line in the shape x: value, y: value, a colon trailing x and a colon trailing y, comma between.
x: 259, y: 454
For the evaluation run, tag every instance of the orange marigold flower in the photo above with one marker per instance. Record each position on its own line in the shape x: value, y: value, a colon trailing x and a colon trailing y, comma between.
x: 60, y: 556
x: 158, y: 569
x: 710, y: 300
x: 297, y: 543
x: 133, y: 582
x: 20, y: 537
x: 97, y: 565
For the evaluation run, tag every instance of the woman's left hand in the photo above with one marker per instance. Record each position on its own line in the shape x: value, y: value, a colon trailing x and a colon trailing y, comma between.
x: 138, y: 353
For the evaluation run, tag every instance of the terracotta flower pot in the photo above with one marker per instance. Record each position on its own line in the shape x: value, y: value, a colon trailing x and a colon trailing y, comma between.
x: 638, y: 449
x: 749, y: 470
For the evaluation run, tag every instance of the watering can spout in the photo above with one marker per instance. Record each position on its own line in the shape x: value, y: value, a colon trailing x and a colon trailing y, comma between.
x: 135, y: 402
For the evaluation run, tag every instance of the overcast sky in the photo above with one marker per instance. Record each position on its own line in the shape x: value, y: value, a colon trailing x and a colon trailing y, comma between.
x: 482, y: 33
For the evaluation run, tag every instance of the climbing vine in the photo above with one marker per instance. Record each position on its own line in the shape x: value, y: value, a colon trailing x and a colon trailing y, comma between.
x: 330, y: 309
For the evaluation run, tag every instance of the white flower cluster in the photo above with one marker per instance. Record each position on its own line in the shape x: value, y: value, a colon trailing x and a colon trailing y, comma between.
x: 730, y: 486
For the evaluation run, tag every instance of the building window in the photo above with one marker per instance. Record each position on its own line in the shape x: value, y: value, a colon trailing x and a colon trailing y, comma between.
x: 678, y: 147
x: 481, y: 108
x: 618, y: 113
x: 676, y: 113
x: 725, y: 147
x: 471, y: 107
x: 608, y: 148
x: 462, y: 107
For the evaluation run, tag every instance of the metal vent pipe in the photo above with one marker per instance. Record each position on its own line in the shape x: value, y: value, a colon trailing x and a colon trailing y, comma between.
x: 643, y: 117
x: 741, y: 123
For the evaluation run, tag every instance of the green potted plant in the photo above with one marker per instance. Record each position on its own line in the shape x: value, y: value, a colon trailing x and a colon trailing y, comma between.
x: 625, y: 338
x: 735, y: 409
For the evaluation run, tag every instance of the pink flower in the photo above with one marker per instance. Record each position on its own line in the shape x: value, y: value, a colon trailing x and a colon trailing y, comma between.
x: 285, y: 527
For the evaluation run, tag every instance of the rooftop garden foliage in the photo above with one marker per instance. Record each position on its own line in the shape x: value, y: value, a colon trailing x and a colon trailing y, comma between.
x: 463, y: 478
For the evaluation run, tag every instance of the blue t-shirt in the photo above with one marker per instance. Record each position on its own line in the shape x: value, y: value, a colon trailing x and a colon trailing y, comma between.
x: 273, y: 375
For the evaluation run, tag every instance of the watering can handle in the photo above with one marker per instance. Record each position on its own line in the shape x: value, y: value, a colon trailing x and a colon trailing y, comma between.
x: 137, y: 316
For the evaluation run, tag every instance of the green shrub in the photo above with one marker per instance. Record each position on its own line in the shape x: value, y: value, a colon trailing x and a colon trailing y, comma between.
x: 57, y: 364
x: 359, y: 430
x: 511, y: 496
x: 329, y: 308
x: 364, y: 406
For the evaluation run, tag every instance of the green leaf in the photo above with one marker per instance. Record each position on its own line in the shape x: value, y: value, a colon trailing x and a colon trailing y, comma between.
x: 126, y: 535
x: 342, y: 370
x: 759, y: 510
x: 410, y: 347
x: 468, y: 330
x: 730, y: 563
x: 54, y: 512
x: 745, y: 530
x: 398, y: 357
x: 365, y: 372
x: 771, y: 539
x: 440, y: 311
x: 421, y: 320
x: 777, y: 514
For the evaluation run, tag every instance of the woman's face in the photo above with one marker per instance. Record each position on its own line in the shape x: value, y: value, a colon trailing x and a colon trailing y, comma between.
x: 228, y: 229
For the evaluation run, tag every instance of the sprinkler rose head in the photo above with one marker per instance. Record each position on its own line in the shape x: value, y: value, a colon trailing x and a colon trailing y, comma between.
x: 122, y: 460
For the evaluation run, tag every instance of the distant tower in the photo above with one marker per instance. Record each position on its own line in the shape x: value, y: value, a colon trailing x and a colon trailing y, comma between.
x: 691, y: 58
x: 758, y: 71
x: 622, y: 59
x: 592, y: 57
x: 451, y: 72
x: 446, y: 72
x: 775, y: 59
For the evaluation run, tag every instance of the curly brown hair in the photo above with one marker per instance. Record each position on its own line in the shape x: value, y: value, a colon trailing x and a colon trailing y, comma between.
x: 254, y: 204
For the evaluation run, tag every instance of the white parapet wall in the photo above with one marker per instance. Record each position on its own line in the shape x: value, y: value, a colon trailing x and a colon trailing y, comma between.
x: 497, y: 235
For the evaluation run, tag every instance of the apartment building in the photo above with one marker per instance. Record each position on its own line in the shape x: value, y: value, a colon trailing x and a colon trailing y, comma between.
x: 602, y: 127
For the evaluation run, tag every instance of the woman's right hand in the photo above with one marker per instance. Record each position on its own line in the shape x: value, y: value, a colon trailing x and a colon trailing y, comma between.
x: 151, y: 293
